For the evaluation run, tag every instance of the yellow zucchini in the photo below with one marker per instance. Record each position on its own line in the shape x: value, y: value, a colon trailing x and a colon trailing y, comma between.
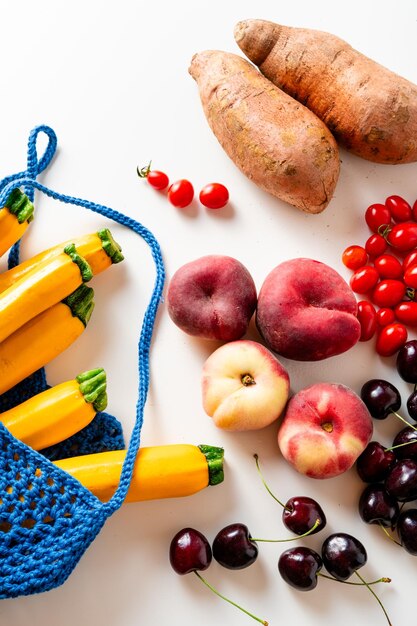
x: 45, y: 285
x: 59, y: 412
x: 45, y: 336
x: 99, y: 249
x: 14, y: 219
x: 170, y: 471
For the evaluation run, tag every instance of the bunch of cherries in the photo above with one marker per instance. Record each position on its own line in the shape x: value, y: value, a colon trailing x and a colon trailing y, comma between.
x: 234, y: 548
x: 385, y: 271
x: 391, y: 472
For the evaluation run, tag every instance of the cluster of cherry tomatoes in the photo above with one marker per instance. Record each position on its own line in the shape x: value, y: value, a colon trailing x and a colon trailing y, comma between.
x: 181, y: 192
x: 385, y: 271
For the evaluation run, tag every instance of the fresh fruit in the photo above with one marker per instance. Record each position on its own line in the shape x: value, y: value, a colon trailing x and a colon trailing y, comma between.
x: 354, y: 257
x: 388, y: 293
x: 375, y: 462
x: 391, y: 339
x: 385, y: 316
x: 376, y: 506
x: 324, y: 430
x: 388, y: 266
x: 375, y: 245
x: 399, y: 208
x: 406, y: 313
x: 403, y: 236
x: 213, y: 297
x: 306, y: 311
x: 244, y: 387
x: 181, y: 193
x: 234, y: 548
x: 367, y: 320
x: 190, y: 551
x: 299, y: 567
x: 301, y: 515
x: 409, y: 260
x: 381, y: 397
x: 214, y: 196
x: 401, y: 482
x: 157, y: 179
x: 343, y: 555
x: 404, y: 444
x: 376, y: 216
x: 412, y: 405
x: 406, y: 362
x: 407, y: 530
x: 364, y: 279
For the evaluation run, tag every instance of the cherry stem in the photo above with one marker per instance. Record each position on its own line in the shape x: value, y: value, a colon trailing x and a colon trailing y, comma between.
x: 255, y: 456
x: 375, y: 596
x: 403, y: 420
x: 399, y: 445
x: 144, y: 171
x: 389, y: 536
x: 311, y: 530
x: 384, y: 579
x: 230, y: 601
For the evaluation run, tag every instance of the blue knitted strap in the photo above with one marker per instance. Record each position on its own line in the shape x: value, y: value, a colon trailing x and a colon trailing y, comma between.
x: 29, y: 183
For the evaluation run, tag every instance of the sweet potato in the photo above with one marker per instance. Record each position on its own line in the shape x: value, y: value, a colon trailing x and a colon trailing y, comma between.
x: 278, y: 143
x: 370, y: 110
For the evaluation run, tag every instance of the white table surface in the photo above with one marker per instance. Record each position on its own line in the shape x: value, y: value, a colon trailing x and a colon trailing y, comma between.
x: 112, y: 79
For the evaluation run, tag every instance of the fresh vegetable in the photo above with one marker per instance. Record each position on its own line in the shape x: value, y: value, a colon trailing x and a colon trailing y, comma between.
x: 157, y: 179
x: 276, y: 142
x: 43, y: 337
x: 367, y: 320
x: 181, y: 193
x: 214, y: 196
x: 168, y: 471
x: 391, y: 338
x: 59, y: 412
x: 370, y: 110
x: 354, y: 257
x: 99, y: 249
x: 45, y: 285
x: 14, y: 219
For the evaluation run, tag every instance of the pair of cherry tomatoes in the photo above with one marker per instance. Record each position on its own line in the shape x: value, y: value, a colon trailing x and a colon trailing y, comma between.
x: 181, y: 192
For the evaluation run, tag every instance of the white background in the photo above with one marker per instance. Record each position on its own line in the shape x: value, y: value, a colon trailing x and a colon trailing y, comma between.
x: 112, y: 79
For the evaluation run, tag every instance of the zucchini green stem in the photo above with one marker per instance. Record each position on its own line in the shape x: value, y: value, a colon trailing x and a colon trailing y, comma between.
x: 110, y: 245
x: 19, y: 204
x: 214, y: 457
x: 94, y: 388
x: 81, y: 303
x: 83, y: 265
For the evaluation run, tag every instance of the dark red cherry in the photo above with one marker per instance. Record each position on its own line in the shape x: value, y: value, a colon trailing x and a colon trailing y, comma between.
x: 189, y: 551
x: 401, y: 482
x: 412, y: 405
x: 407, y: 530
x: 406, y: 440
x: 299, y: 567
x: 407, y: 361
x: 301, y: 513
x: 376, y: 506
x: 374, y: 463
x: 233, y: 547
x: 381, y: 398
x: 342, y: 555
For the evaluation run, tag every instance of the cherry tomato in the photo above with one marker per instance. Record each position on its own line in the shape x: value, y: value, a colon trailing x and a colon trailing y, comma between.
x: 375, y: 245
x: 399, y: 208
x: 158, y: 180
x: 388, y: 266
x: 410, y: 259
x: 391, y: 339
x: 410, y: 276
x: 388, y: 293
x: 406, y: 312
x: 415, y: 210
x: 181, y: 193
x: 367, y: 320
x: 214, y: 196
x: 354, y: 257
x: 364, y: 279
x: 403, y: 236
x: 377, y: 215
x: 385, y: 316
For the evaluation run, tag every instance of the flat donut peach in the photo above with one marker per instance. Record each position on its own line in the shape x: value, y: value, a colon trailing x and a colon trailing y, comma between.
x: 306, y: 311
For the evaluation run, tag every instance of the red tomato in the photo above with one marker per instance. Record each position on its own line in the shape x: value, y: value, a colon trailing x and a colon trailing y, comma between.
x: 410, y: 276
x: 385, y: 316
x: 158, y: 180
x: 364, y: 279
x: 391, y: 339
x: 406, y: 312
x: 377, y: 215
x: 367, y: 320
x: 375, y: 245
x: 415, y: 210
x: 388, y: 293
x: 410, y: 259
x: 214, y: 196
x: 403, y: 236
x: 354, y: 257
x: 181, y: 193
x: 388, y: 266
x: 399, y: 208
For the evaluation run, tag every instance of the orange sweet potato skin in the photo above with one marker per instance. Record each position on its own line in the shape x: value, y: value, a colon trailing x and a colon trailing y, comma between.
x: 274, y: 140
x: 370, y: 110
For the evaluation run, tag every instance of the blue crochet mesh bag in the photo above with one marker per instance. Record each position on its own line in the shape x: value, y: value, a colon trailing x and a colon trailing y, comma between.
x: 47, y: 518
